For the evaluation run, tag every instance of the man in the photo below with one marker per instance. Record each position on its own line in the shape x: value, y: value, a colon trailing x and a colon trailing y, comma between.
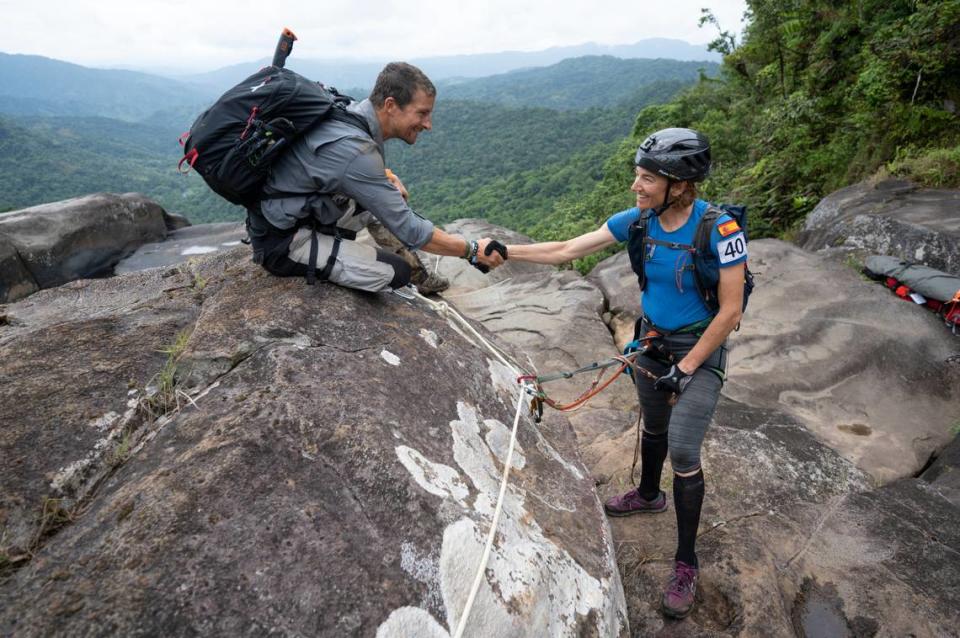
x: 332, y: 183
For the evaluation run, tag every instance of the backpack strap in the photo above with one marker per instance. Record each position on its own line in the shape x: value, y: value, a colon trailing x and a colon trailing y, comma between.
x: 669, y: 244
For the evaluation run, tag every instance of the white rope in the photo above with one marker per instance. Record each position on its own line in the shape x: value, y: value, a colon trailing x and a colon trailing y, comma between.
x: 443, y: 308
x: 493, y: 525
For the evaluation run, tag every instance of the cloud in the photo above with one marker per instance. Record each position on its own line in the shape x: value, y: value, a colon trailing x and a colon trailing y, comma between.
x: 207, y: 34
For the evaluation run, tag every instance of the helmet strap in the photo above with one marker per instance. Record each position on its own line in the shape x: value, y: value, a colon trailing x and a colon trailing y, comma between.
x: 666, y: 200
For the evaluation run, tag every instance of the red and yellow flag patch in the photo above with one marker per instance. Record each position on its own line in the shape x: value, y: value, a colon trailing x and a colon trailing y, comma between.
x: 728, y: 228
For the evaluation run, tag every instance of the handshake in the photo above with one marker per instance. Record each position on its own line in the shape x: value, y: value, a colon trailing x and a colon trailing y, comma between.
x: 485, y: 254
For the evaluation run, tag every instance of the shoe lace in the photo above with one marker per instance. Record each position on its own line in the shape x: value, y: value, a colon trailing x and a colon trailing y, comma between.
x: 683, y: 578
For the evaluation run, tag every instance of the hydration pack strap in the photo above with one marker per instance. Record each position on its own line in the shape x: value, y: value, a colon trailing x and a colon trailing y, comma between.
x: 669, y: 244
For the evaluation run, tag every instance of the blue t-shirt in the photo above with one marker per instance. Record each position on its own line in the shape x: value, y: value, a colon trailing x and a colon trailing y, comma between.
x: 670, y: 301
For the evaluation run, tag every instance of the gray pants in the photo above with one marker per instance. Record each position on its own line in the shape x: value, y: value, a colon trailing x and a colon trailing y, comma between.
x: 685, y: 423
x: 357, y: 265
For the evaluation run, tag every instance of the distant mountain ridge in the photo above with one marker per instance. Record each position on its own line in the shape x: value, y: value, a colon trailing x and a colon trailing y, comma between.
x: 356, y: 73
x: 576, y: 83
x: 35, y: 85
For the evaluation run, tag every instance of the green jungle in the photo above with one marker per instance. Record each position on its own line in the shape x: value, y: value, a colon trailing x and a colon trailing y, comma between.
x: 814, y: 96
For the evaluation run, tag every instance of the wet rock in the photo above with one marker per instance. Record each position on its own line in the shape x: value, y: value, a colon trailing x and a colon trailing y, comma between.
x: 184, y: 244
x: 892, y: 217
x: 77, y: 238
x: 333, y: 472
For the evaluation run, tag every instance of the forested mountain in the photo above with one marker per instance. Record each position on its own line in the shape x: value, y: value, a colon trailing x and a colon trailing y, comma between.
x: 468, y: 165
x: 577, y: 83
x: 816, y: 96
x: 511, y: 164
x: 52, y: 158
x: 34, y: 85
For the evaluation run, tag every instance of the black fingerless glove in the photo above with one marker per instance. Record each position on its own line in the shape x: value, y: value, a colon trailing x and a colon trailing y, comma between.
x: 675, y: 380
x: 494, y: 245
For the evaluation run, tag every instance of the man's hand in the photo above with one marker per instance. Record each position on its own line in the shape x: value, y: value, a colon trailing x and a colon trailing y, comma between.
x: 490, y: 253
x: 675, y: 380
x: 396, y: 182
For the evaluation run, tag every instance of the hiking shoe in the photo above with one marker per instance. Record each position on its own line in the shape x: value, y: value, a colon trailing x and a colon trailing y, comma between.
x: 681, y: 591
x: 633, y: 503
x: 404, y: 291
x: 433, y: 284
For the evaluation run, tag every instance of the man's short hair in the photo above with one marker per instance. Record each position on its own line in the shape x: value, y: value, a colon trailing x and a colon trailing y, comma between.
x: 400, y: 81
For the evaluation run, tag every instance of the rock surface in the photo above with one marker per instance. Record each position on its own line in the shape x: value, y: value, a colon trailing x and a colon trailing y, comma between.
x: 74, y: 239
x: 892, y: 217
x: 552, y: 321
x: 862, y: 370
x: 794, y: 539
x: 333, y: 471
x: 184, y: 244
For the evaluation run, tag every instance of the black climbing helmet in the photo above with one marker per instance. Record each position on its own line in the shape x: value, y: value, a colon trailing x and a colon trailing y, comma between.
x: 679, y: 154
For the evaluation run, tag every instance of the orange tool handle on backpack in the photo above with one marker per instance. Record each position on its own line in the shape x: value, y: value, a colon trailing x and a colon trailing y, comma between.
x: 284, y: 48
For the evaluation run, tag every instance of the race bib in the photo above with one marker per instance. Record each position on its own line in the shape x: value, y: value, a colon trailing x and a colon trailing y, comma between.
x: 732, y: 248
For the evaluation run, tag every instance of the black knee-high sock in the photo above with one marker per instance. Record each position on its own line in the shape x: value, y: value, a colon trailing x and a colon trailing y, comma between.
x: 653, y: 451
x: 688, y: 500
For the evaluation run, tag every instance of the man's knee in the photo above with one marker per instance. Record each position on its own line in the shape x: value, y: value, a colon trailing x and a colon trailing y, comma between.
x: 401, y: 269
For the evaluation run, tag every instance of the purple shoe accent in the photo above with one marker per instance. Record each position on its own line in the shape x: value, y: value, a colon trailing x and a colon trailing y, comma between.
x: 633, y: 503
x: 681, y: 591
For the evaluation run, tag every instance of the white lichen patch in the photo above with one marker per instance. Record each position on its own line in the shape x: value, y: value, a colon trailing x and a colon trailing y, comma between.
x: 411, y: 622
x: 544, y: 446
x: 436, y: 478
x: 105, y: 421
x: 532, y: 587
x: 504, y: 380
x: 430, y: 337
x: 498, y: 440
x: 425, y: 569
x: 389, y: 357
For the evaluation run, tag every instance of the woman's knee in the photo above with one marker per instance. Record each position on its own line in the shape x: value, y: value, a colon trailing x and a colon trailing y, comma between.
x: 684, y: 460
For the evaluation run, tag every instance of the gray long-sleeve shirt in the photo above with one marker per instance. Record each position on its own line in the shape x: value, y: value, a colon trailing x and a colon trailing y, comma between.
x: 337, y: 158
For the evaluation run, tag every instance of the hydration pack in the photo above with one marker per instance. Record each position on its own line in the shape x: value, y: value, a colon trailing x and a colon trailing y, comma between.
x: 705, y: 266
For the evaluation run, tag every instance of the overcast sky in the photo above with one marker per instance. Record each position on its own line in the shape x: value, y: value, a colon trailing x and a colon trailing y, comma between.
x: 207, y: 34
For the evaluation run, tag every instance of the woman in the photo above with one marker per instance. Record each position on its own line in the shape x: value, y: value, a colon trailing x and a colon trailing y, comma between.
x: 684, y: 339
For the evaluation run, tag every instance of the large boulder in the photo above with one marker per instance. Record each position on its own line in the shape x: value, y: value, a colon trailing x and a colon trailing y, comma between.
x: 944, y: 473
x: 614, y: 276
x: 862, y: 370
x: 300, y: 460
x: 891, y: 217
x: 77, y: 238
